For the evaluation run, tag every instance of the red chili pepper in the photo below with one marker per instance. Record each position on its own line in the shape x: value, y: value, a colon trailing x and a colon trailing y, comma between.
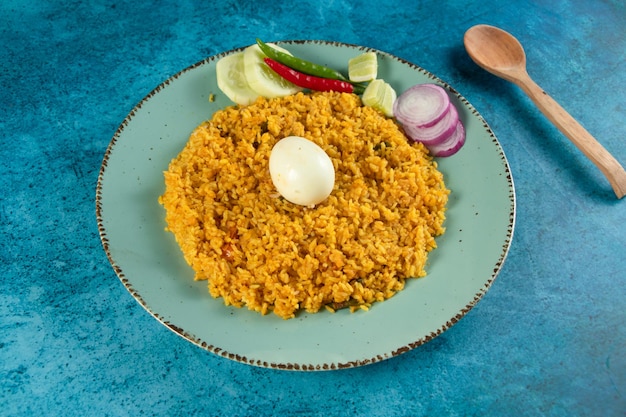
x: 311, y: 82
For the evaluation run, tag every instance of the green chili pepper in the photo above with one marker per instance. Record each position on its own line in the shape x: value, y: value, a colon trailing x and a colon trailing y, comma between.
x: 298, y: 64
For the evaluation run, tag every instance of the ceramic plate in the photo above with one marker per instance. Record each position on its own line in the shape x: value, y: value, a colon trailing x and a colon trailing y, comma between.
x: 480, y: 222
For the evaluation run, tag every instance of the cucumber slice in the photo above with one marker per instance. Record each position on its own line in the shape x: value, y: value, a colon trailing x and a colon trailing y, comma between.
x: 380, y: 96
x: 232, y: 81
x: 363, y: 67
x: 262, y: 78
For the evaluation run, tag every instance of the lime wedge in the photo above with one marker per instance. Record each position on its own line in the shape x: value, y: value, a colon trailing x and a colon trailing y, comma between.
x: 262, y: 78
x: 363, y: 67
x: 380, y: 96
x: 232, y: 80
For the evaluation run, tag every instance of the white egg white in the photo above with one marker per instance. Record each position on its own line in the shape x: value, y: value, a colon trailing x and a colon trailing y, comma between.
x: 301, y: 171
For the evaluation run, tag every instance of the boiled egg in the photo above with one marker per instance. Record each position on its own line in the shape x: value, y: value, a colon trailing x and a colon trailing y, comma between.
x: 301, y: 171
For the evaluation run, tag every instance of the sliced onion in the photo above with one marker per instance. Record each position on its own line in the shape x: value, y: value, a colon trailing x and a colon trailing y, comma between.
x: 422, y: 105
x: 437, y: 133
x: 450, y: 145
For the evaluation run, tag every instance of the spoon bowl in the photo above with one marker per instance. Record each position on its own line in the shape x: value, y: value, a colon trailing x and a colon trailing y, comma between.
x: 504, y: 57
x: 501, y: 54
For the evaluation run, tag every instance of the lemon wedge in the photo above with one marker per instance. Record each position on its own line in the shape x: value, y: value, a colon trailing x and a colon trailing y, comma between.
x: 363, y: 67
x: 380, y: 96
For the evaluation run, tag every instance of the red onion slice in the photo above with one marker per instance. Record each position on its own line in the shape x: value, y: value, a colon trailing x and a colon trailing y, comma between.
x: 436, y: 133
x: 422, y: 105
x: 452, y: 144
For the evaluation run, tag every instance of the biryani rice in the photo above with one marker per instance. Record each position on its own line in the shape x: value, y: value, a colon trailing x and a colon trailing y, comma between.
x: 260, y: 251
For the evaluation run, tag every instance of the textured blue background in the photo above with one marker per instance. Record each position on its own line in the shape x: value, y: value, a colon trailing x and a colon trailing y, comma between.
x: 548, y: 339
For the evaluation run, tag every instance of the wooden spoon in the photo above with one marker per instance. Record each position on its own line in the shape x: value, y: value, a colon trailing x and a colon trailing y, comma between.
x: 502, y: 55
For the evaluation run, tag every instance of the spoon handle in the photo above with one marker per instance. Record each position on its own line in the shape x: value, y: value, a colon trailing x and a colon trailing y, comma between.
x: 589, y: 146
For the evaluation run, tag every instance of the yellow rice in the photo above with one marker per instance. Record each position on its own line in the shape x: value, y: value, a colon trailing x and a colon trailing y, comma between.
x: 260, y: 251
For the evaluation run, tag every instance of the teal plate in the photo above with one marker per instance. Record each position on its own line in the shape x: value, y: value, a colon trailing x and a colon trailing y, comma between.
x: 479, y: 229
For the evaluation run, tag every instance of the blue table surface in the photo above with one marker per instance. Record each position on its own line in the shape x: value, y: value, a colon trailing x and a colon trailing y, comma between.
x: 548, y: 339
